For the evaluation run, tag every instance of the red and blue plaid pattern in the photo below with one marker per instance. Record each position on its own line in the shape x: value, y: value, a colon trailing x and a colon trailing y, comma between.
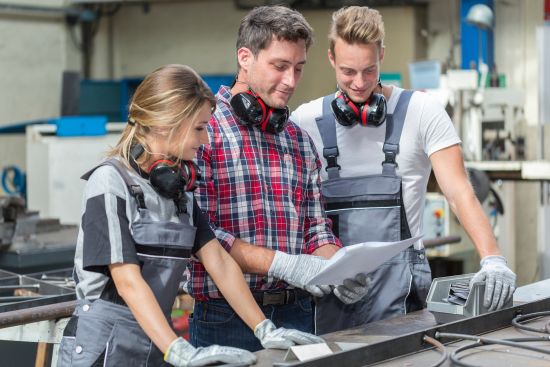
x: 262, y: 188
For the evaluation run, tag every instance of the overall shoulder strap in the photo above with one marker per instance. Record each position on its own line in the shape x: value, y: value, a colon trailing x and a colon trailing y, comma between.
x: 394, y: 128
x: 133, y: 187
x: 326, y: 124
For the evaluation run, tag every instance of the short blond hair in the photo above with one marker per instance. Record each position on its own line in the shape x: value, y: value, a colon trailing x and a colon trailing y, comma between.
x: 356, y: 24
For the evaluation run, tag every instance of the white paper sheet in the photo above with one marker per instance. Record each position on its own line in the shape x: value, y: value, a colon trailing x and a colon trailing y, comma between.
x: 359, y: 258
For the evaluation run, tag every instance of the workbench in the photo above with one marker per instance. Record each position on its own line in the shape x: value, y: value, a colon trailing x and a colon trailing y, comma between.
x: 398, y: 342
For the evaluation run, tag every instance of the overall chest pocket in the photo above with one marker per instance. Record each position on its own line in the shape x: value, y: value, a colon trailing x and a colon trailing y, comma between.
x: 164, y: 249
x: 366, y: 208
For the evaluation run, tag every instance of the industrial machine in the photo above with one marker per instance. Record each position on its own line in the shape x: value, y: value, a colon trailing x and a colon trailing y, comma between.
x: 29, y: 243
x: 491, y: 124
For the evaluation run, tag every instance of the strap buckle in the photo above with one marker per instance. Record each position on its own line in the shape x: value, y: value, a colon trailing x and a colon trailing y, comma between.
x: 390, y: 158
x: 331, y: 155
x: 137, y: 192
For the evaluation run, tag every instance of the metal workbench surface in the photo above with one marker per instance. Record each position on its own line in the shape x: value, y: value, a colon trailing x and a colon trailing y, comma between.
x: 369, y: 334
x: 397, y: 341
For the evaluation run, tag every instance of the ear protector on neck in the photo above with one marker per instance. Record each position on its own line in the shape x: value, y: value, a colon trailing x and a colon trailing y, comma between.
x: 252, y: 111
x: 169, y: 178
x: 349, y: 113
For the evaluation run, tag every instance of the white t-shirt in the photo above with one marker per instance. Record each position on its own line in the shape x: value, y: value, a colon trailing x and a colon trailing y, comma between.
x: 426, y: 130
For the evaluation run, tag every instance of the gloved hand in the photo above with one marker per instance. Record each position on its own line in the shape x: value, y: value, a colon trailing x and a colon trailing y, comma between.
x: 281, y: 338
x: 298, y: 270
x: 500, y: 281
x: 182, y: 354
x: 353, y: 289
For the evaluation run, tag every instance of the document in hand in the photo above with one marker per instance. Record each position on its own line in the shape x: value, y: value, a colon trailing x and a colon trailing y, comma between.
x: 359, y: 258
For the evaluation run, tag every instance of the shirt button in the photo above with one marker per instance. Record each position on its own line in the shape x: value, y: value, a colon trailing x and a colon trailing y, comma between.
x: 421, y: 256
x: 85, y: 308
x: 78, y: 349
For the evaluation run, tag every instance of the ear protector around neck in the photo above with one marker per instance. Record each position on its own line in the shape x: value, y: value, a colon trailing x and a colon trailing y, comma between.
x: 252, y: 111
x: 169, y: 178
x: 349, y: 113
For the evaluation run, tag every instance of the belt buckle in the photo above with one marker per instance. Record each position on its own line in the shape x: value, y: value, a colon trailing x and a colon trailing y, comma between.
x: 274, y: 298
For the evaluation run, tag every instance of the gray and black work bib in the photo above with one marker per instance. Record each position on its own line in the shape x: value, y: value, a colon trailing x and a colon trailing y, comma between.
x: 370, y: 208
x: 104, y: 331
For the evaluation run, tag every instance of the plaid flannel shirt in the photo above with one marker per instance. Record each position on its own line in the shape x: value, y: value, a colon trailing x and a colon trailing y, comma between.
x: 262, y: 188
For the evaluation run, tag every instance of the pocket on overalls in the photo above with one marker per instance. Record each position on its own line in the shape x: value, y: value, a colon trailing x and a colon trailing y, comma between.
x: 127, y: 346
x: 66, y: 350
x: 422, y: 279
x: 164, y: 249
x: 364, y: 208
x: 92, y: 336
x: 369, y: 224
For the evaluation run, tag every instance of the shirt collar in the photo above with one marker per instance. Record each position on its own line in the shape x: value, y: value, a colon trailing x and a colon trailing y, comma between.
x: 224, y: 94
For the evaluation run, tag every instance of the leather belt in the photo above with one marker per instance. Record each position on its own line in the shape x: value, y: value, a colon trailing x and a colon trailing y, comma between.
x: 282, y: 297
x: 275, y: 297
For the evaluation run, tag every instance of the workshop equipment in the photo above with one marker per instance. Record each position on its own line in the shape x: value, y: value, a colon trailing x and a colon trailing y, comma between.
x: 442, y: 307
x: 30, y: 243
x: 19, y: 292
x: 405, y: 341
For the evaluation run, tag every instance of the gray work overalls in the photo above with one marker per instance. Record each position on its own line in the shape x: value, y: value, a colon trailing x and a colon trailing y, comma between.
x: 370, y: 208
x: 104, y: 332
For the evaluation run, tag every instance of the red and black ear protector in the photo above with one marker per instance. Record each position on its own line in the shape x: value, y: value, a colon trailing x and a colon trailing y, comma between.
x: 252, y: 111
x: 349, y: 113
x: 169, y: 178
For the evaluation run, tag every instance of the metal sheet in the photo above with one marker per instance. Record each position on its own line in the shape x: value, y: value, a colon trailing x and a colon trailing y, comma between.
x: 402, y: 336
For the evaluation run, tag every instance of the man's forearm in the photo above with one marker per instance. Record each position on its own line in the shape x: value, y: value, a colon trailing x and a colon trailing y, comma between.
x: 326, y: 251
x: 476, y: 225
x: 252, y: 259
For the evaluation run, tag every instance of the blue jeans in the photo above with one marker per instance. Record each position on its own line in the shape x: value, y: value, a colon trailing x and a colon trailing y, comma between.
x: 215, y: 322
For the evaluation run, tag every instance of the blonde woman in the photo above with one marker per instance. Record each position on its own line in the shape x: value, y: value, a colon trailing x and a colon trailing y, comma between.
x: 140, y: 225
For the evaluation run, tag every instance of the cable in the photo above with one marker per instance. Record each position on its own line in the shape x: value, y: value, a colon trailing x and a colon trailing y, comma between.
x: 479, y: 341
x: 516, y: 322
x: 440, y: 347
x: 14, y: 180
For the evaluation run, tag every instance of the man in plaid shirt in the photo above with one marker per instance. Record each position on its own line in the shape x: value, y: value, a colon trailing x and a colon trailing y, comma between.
x: 261, y: 190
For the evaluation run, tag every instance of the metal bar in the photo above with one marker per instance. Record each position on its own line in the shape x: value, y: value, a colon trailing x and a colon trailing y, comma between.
x: 8, y: 299
x: 413, y: 342
x: 433, y: 242
x: 19, y: 286
x: 35, y: 314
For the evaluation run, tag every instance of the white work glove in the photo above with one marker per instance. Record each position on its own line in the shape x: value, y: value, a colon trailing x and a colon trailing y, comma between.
x: 353, y: 289
x: 500, y: 281
x: 182, y: 354
x: 281, y: 338
x: 298, y: 270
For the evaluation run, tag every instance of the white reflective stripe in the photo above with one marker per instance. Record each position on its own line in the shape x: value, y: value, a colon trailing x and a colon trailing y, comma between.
x: 370, y: 207
x: 163, y: 257
x: 105, y: 357
x: 314, y: 318
x: 113, y: 226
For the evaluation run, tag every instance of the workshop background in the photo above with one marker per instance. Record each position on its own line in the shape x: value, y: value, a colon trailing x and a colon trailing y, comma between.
x: 80, y: 58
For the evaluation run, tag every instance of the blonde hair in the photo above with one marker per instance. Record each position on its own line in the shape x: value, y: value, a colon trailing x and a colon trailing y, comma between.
x: 167, y: 97
x: 356, y: 24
